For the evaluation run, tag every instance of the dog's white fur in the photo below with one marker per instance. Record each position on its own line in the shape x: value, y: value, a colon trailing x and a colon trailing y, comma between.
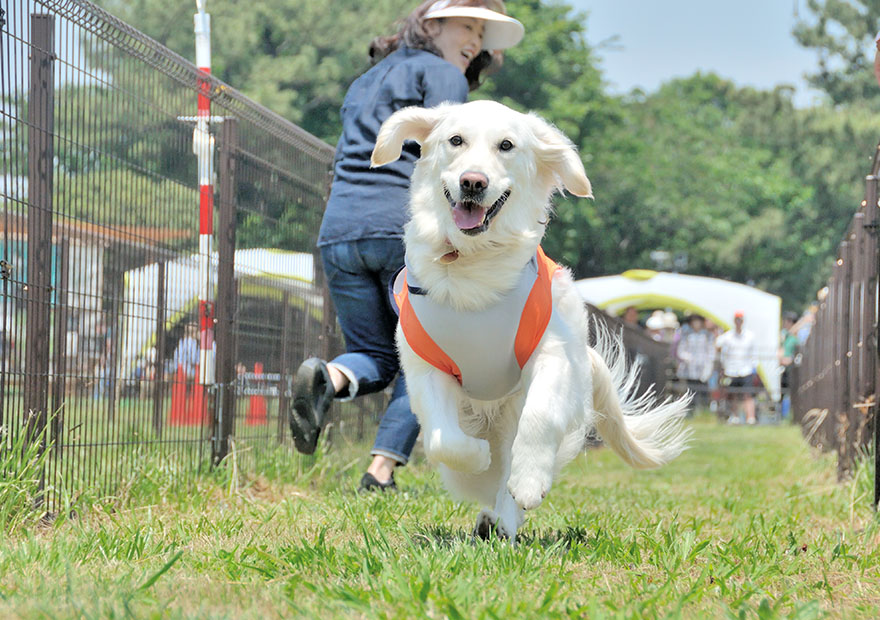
x: 505, y: 453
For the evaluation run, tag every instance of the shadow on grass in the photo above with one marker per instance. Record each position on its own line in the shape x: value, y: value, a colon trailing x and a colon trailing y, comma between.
x: 442, y: 536
x: 446, y: 537
x: 564, y: 539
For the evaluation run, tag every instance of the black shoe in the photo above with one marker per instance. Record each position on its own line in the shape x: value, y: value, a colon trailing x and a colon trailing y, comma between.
x: 312, y: 394
x: 370, y: 484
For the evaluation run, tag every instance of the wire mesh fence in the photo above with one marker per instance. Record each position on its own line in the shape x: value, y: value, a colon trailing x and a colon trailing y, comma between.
x: 106, y: 335
x: 100, y: 260
x: 834, y: 386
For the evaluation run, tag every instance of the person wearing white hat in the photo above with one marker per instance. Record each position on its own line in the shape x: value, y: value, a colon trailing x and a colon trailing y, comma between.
x: 738, y: 357
x: 445, y: 18
x: 441, y: 52
x: 655, y: 324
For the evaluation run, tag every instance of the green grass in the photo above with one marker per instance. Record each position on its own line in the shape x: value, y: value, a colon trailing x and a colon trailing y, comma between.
x: 748, y: 523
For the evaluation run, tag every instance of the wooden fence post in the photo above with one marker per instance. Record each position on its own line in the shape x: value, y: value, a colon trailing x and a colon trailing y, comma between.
x: 843, y: 405
x: 872, y: 221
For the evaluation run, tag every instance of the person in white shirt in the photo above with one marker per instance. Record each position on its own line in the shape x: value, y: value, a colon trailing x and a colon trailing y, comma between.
x: 694, y: 349
x: 736, y: 350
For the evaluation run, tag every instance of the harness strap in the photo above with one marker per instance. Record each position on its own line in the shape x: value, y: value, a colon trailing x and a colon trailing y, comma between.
x: 537, y: 311
x: 416, y: 336
x: 532, y: 323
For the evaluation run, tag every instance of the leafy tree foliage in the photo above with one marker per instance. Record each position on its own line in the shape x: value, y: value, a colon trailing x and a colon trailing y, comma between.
x: 121, y: 197
x: 842, y: 33
x: 296, y: 57
x: 750, y: 187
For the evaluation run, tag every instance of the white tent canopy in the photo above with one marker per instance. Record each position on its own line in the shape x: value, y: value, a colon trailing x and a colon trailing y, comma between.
x: 715, y: 299
x: 288, y: 271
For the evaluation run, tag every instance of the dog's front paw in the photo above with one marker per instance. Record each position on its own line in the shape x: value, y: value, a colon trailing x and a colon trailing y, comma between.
x: 529, y: 487
x: 461, y: 453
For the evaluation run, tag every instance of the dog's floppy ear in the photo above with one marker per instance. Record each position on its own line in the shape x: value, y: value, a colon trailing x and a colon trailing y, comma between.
x: 558, y: 154
x: 411, y: 123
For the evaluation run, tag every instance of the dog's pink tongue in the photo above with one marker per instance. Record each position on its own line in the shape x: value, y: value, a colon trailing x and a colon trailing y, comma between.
x: 467, y: 217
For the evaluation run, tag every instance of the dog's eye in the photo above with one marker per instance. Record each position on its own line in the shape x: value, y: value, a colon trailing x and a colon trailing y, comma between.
x: 455, y: 140
x: 506, y: 145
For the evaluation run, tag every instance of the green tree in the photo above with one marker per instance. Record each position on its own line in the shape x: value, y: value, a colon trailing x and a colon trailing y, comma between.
x: 752, y: 188
x: 842, y: 32
x: 686, y: 181
x: 296, y: 57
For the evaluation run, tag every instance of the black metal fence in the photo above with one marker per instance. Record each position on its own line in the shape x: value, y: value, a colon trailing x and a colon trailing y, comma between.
x: 834, y: 387
x: 101, y: 263
x: 101, y: 266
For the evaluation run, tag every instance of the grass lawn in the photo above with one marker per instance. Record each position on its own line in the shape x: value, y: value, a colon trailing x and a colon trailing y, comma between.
x: 748, y: 523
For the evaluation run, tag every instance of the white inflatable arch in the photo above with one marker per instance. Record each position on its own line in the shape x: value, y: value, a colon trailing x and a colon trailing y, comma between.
x: 715, y: 299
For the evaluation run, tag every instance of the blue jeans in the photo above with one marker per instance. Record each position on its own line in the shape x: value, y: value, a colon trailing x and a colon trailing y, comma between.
x: 358, y: 273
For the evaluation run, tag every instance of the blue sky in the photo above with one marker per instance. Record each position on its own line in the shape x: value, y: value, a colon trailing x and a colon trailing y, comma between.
x: 747, y: 41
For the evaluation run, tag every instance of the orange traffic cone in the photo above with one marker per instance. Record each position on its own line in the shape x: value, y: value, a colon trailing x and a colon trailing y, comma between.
x: 177, y: 413
x: 196, y: 410
x: 256, y: 414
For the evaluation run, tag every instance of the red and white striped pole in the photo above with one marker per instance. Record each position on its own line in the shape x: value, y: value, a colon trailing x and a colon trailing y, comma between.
x: 203, y: 146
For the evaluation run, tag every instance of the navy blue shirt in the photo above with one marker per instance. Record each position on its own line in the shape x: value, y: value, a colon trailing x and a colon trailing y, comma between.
x: 370, y: 203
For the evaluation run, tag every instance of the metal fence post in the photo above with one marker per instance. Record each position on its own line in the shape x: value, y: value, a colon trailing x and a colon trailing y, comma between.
x: 159, y: 368
x: 114, y: 289
x: 59, y: 374
x: 286, y: 335
x: 225, y: 304
x: 41, y: 127
x: 328, y: 312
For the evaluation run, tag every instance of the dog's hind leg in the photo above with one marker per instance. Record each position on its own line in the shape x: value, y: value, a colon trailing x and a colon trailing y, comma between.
x: 504, y: 521
x: 507, y: 516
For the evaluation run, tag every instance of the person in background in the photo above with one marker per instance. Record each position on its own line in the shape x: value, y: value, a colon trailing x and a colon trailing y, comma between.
x: 788, y: 348
x: 694, y: 350
x: 187, y: 352
x: 736, y: 349
x: 631, y: 316
x: 714, y: 380
x: 654, y: 325
x: 670, y: 327
x: 805, y: 324
x: 440, y: 53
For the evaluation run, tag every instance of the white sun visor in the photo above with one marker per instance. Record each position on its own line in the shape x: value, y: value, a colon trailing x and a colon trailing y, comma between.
x: 500, y: 30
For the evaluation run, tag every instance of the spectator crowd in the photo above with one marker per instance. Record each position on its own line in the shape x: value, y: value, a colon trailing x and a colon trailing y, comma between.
x: 721, y: 367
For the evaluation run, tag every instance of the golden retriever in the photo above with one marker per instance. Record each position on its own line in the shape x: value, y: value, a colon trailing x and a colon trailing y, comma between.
x: 500, y: 419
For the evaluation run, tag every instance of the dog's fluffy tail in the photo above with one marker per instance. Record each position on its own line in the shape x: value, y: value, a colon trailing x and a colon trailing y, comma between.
x: 642, y: 431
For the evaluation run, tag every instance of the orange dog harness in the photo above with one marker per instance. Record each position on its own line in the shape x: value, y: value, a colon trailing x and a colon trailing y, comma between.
x: 485, y: 350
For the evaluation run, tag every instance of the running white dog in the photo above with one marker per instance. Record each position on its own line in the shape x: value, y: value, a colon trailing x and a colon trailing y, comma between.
x: 493, y: 337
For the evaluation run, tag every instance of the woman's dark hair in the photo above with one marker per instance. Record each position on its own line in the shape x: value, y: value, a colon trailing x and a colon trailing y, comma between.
x: 413, y: 34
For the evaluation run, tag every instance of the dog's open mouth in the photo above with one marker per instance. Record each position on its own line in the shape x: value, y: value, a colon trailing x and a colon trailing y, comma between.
x: 471, y: 217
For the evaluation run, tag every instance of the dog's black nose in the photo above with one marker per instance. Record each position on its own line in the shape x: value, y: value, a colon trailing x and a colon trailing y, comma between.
x: 473, y: 182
